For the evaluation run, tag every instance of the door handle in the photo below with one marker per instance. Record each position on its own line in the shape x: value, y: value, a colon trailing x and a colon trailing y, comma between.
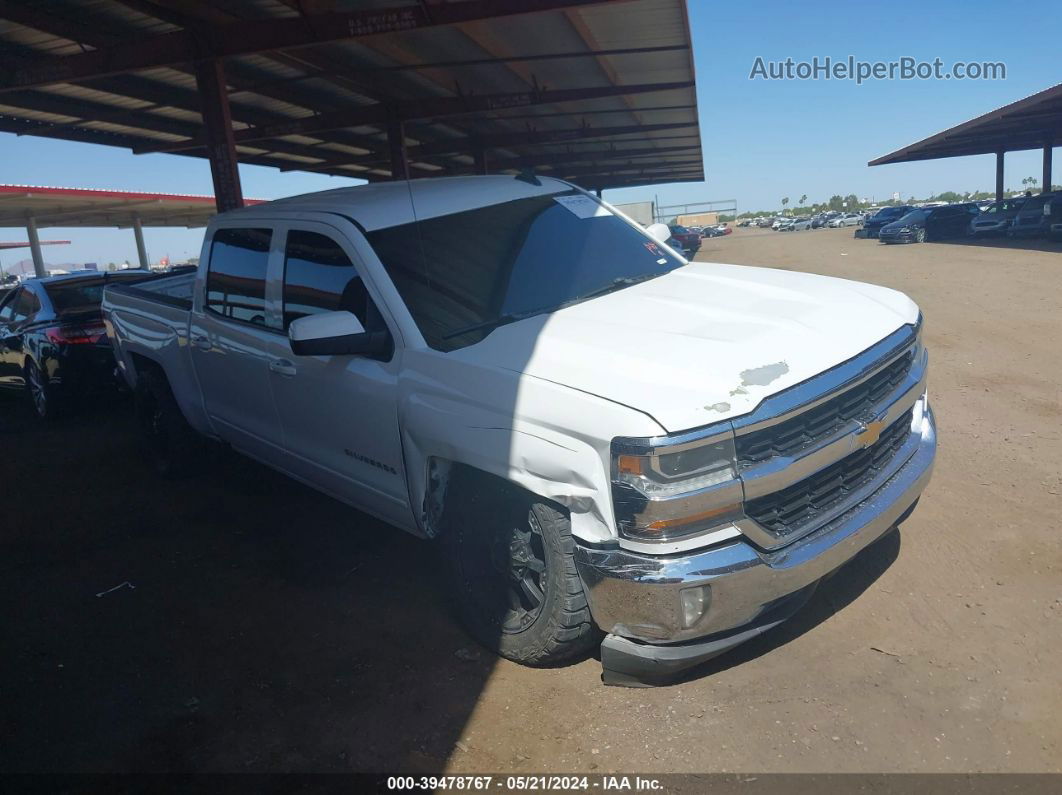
x: 282, y: 367
x: 201, y: 342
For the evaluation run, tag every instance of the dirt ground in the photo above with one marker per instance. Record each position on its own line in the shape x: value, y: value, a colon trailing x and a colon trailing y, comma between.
x: 264, y: 628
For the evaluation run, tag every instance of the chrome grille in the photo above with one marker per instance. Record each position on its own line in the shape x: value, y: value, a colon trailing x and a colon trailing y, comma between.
x: 786, y: 511
x: 809, y: 428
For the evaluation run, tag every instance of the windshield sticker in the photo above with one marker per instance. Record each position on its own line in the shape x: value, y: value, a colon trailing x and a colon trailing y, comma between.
x: 656, y: 252
x: 582, y: 206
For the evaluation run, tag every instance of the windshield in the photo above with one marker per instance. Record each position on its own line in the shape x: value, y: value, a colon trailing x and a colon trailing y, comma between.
x: 1006, y: 206
x: 461, y: 275
x: 1035, y: 204
x: 886, y: 213
x: 914, y: 217
x: 69, y: 296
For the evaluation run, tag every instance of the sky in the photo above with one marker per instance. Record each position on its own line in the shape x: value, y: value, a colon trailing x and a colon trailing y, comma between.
x: 762, y: 140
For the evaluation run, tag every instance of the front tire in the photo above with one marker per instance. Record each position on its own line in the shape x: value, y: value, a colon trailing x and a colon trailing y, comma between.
x: 920, y: 236
x: 511, y: 561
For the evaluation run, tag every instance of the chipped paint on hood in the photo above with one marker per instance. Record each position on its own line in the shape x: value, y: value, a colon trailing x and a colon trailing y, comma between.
x: 703, y: 343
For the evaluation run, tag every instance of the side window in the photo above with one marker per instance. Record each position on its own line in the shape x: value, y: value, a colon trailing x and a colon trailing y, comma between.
x: 236, y: 280
x: 7, y: 311
x: 319, y: 277
x: 26, y: 304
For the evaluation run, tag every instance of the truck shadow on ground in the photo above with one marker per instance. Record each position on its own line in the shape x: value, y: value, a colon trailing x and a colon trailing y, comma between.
x: 237, y: 621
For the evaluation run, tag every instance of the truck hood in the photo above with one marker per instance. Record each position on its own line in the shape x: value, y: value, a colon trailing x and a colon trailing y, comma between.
x: 704, y: 343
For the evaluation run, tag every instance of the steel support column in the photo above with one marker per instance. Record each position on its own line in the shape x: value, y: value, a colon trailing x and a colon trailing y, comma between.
x: 141, y: 249
x: 1048, y: 143
x: 35, y: 247
x: 999, y: 176
x: 481, y: 160
x: 221, y: 147
x: 396, y: 146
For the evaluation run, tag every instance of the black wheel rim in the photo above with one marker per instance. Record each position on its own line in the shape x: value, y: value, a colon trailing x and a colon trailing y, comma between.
x: 37, y: 391
x: 513, y: 583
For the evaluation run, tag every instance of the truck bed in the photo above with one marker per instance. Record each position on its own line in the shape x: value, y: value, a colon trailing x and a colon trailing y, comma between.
x: 175, y: 291
x: 150, y: 319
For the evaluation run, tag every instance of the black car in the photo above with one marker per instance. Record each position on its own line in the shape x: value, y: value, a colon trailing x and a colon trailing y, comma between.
x: 886, y: 215
x: 53, y: 343
x: 1034, y: 218
x: 930, y: 223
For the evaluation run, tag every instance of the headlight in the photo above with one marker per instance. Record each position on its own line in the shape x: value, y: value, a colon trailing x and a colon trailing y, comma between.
x: 666, y: 489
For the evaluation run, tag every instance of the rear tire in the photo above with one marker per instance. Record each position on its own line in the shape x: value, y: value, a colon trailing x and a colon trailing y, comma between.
x: 168, y: 442
x: 43, y: 397
x: 511, y: 564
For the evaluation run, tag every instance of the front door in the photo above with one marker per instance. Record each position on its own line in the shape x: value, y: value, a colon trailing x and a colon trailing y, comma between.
x: 339, y: 413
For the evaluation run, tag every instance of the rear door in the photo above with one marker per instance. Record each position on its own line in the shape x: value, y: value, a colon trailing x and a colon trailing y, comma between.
x: 233, y: 328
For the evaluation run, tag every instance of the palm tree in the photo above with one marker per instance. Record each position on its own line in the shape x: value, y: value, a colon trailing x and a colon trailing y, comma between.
x: 803, y: 199
x: 785, y: 201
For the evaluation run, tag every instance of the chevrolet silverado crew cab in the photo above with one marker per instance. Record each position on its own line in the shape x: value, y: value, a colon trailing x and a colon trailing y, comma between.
x: 610, y: 445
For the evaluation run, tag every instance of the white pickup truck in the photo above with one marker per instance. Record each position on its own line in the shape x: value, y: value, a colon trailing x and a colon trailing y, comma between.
x: 610, y: 444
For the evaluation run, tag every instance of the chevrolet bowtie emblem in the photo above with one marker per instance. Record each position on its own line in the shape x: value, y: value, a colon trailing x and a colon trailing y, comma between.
x: 869, y: 432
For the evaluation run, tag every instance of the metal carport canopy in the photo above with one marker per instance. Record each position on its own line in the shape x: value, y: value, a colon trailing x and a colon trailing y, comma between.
x: 33, y: 206
x: 1034, y: 122
x: 376, y: 89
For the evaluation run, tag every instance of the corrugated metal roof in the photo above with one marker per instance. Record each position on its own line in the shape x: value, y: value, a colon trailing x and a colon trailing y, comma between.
x: 94, y: 207
x: 1029, y: 123
x: 602, y: 141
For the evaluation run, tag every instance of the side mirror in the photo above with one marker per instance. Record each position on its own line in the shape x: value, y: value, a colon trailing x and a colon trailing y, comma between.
x: 659, y: 231
x: 335, y: 334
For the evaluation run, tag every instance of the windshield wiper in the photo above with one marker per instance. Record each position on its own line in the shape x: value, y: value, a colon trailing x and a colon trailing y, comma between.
x: 512, y: 317
x: 500, y: 320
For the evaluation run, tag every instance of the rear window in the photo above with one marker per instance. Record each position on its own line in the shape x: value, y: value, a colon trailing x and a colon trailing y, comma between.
x: 71, y: 296
x: 236, y: 279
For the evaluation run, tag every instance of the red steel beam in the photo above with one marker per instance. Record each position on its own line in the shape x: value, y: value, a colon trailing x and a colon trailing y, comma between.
x: 428, y: 108
x: 251, y: 36
x: 530, y: 137
x: 221, y: 149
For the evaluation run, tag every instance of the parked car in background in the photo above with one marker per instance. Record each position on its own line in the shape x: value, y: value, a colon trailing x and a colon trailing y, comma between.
x: 997, y: 217
x: 799, y: 224
x: 939, y: 222
x: 744, y: 222
x: 697, y: 230
x: 1034, y: 218
x: 1054, y: 220
x: 52, y: 339
x: 484, y: 393
x: 690, y: 241
x: 886, y: 215
x: 845, y: 219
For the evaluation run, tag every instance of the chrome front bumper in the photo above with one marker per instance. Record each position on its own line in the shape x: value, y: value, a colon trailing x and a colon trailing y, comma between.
x: 636, y: 598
